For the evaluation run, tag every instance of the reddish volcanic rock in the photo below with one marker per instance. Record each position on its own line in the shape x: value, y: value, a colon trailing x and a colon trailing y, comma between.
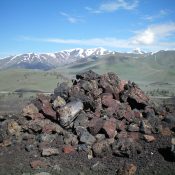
x: 110, y: 127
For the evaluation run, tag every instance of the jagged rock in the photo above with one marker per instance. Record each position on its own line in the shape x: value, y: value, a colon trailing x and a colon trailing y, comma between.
x: 89, y: 75
x: 62, y: 90
x: 68, y: 112
x: 14, y: 128
x: 48, y: 111
x: 102, y: 147
x: 70, y: 139
x: 110, y: 127
x: 95, y: 125
x: 85, y: 136
x: 59, y: 102
x: 134, y: 96
x: 32, y: 112
x: 81, y: 120
x: 107, y: 99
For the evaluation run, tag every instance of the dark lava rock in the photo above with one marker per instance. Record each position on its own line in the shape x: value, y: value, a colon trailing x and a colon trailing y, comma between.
x: 170, y: 119
x: 89, y: 75
x: 62, y: 90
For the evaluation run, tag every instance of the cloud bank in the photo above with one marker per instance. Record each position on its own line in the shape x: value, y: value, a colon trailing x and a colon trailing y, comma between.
x: 152, y: 38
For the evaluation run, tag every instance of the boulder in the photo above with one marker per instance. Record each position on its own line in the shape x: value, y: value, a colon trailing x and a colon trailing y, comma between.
x: 68, y: 112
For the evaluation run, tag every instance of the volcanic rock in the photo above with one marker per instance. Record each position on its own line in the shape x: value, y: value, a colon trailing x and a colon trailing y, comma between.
x: 68, y: 112
x: 85, y: 136
x: 49, y: 151
x: 59, y: 102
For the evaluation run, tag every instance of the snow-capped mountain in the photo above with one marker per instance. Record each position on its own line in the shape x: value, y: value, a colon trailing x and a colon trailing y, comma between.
x: 50, y: 60
x: 138, y: 51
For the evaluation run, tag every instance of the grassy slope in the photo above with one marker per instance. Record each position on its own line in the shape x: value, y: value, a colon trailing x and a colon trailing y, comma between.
x: 10, y: 80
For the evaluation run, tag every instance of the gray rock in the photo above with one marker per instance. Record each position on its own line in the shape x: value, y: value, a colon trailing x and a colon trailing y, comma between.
x: 81, y: 120
x: 170, y: 119
x: 102, y: 147
x: 85, y: 136
x: 70, y: 139
x: 68, y: 112
x: 49, y: 151
x: 62, y: 90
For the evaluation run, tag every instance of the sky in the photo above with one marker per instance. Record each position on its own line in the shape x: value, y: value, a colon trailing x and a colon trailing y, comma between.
x: 42, y: 26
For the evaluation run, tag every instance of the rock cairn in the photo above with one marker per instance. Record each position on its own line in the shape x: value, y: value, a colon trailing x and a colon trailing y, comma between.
x: 98, y: 114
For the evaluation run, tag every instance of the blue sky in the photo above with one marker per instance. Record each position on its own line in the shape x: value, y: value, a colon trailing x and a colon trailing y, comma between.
x: 54, y: 25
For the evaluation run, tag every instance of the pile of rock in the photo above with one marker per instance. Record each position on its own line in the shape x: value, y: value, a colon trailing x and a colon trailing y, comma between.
x: 99, y: 114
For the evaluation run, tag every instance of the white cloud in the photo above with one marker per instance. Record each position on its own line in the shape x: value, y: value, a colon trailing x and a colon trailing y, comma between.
x: 152, y: 38
x: 71, y: 19
x: 114, y: 6
x: 153, y: 34
x: 162, y: 13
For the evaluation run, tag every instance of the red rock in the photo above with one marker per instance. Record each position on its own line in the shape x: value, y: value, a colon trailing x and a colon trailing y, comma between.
x: 121, y: 85
x: 95, y: 125
x: 149, y: 138
x: 48, y: 128
x: 138, y: 95
x: 38, y: 164
x: 48, y: 111
x: 121, y: 125
x: 68, y: 149
x: 107, y: 99
x: 110, y: 127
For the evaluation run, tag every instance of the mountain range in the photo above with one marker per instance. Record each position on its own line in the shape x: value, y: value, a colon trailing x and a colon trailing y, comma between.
x: 47, y: 61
